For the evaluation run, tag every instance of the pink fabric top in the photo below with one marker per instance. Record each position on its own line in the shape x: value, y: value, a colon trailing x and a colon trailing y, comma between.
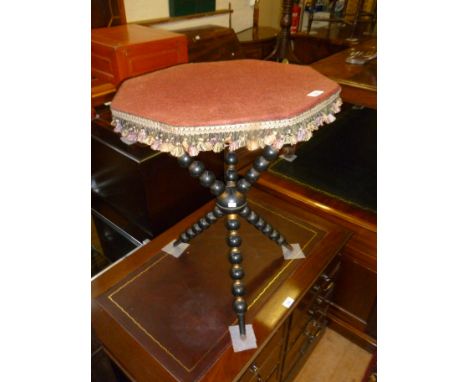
x: 223, y: 93
x: 228, y: 104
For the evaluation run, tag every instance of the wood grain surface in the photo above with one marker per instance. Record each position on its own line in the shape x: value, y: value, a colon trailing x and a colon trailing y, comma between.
x: 128, y: 348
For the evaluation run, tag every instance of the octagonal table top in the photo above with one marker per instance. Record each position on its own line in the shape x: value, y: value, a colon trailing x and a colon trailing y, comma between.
x: 208, y: 106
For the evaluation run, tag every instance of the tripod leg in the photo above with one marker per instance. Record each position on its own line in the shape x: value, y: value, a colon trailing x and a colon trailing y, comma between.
x: 258, y: 222
x: 237, y: 273
x: 206, y: 177
x: 201, y: 225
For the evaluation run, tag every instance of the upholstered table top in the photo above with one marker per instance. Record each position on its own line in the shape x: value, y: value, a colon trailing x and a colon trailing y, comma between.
x: 207, y: 106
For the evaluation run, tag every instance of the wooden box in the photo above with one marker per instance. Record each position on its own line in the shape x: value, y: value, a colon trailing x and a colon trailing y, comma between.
x: 166, y: 319
x: 125, y: 51
x: 212, y: 43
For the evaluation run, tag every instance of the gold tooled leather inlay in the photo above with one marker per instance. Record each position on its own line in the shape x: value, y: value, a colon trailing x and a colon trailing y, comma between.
x: 297, y: 222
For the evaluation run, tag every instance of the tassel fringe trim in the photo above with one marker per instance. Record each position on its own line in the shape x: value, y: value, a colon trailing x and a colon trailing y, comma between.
x: 178, y: 140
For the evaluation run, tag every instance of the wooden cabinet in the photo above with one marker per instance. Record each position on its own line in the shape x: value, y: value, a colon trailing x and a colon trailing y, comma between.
x: 353, y: 309
x: 294, y: 340
x: 166, y: 319
x: 126, y: 51
x: 136, y: 192
x: 101, y: 92
x: 266, y: 365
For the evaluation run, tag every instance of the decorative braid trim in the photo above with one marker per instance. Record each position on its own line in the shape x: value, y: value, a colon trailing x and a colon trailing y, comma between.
x: 176, y: 140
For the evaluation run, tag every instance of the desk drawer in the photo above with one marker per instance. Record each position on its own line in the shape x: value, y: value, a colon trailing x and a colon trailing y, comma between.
x: 266, y: 365
x: 303, y: 345
x: 316, y: 301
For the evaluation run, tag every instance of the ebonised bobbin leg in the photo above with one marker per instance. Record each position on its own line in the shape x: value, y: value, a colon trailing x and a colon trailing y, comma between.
x: 207, y: 179
x: 237, y: 273
x: 231, y: 202
x: 261, y: 224
x: 260, y: 164
x: 201, y: 225
x: 269, y: 154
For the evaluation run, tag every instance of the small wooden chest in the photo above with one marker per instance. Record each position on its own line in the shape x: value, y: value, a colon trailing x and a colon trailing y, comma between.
x: 212, y: 43
x: 125, y: 51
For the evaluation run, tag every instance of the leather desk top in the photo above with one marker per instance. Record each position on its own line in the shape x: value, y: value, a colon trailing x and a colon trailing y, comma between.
x: 177, y: 311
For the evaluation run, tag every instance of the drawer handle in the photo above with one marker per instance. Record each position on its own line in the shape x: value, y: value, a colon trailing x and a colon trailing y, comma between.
x: 325, y: 277
x: 318, y: 312
x: 197, y: 38
x: 255, y: 371
x: 329, y: 286
x: 312, y: 337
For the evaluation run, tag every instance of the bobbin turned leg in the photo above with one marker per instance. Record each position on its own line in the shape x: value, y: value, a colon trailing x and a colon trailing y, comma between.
x: 201, y: 225
x: 237, y: 273
x: 269, y: 154
x: 267, y: 229
x: 207, y: 179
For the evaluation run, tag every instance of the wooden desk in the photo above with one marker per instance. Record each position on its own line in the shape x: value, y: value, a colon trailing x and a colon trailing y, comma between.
x: 336, y: 34
x: 359, y: 82
x: 146, y: 309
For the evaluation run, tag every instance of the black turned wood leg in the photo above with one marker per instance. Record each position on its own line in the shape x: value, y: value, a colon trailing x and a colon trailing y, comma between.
x: 231, y: 202
x: 267, y: 229
x: 237, y: 273
x: 201, y: 225
x: 207, y: 178
x: 269, y: 154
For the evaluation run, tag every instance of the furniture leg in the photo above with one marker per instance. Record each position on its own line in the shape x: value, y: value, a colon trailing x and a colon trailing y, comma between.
x: 283, y: 50
x: 201, y: 225
x: 237, y: 273
x: 264, y: 227
x: 261, y: 164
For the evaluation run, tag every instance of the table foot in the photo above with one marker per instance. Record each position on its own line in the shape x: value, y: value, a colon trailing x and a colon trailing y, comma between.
x: 242, y: 342
x: 294, y: 253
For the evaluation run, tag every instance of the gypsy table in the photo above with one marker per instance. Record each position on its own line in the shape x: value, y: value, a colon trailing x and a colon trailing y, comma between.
x: 219, y: 106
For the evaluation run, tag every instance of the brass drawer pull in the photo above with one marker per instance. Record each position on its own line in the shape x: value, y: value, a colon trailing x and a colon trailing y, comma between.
x: 255, y: 371
x: 329, y: 286
x: 312, y: 337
